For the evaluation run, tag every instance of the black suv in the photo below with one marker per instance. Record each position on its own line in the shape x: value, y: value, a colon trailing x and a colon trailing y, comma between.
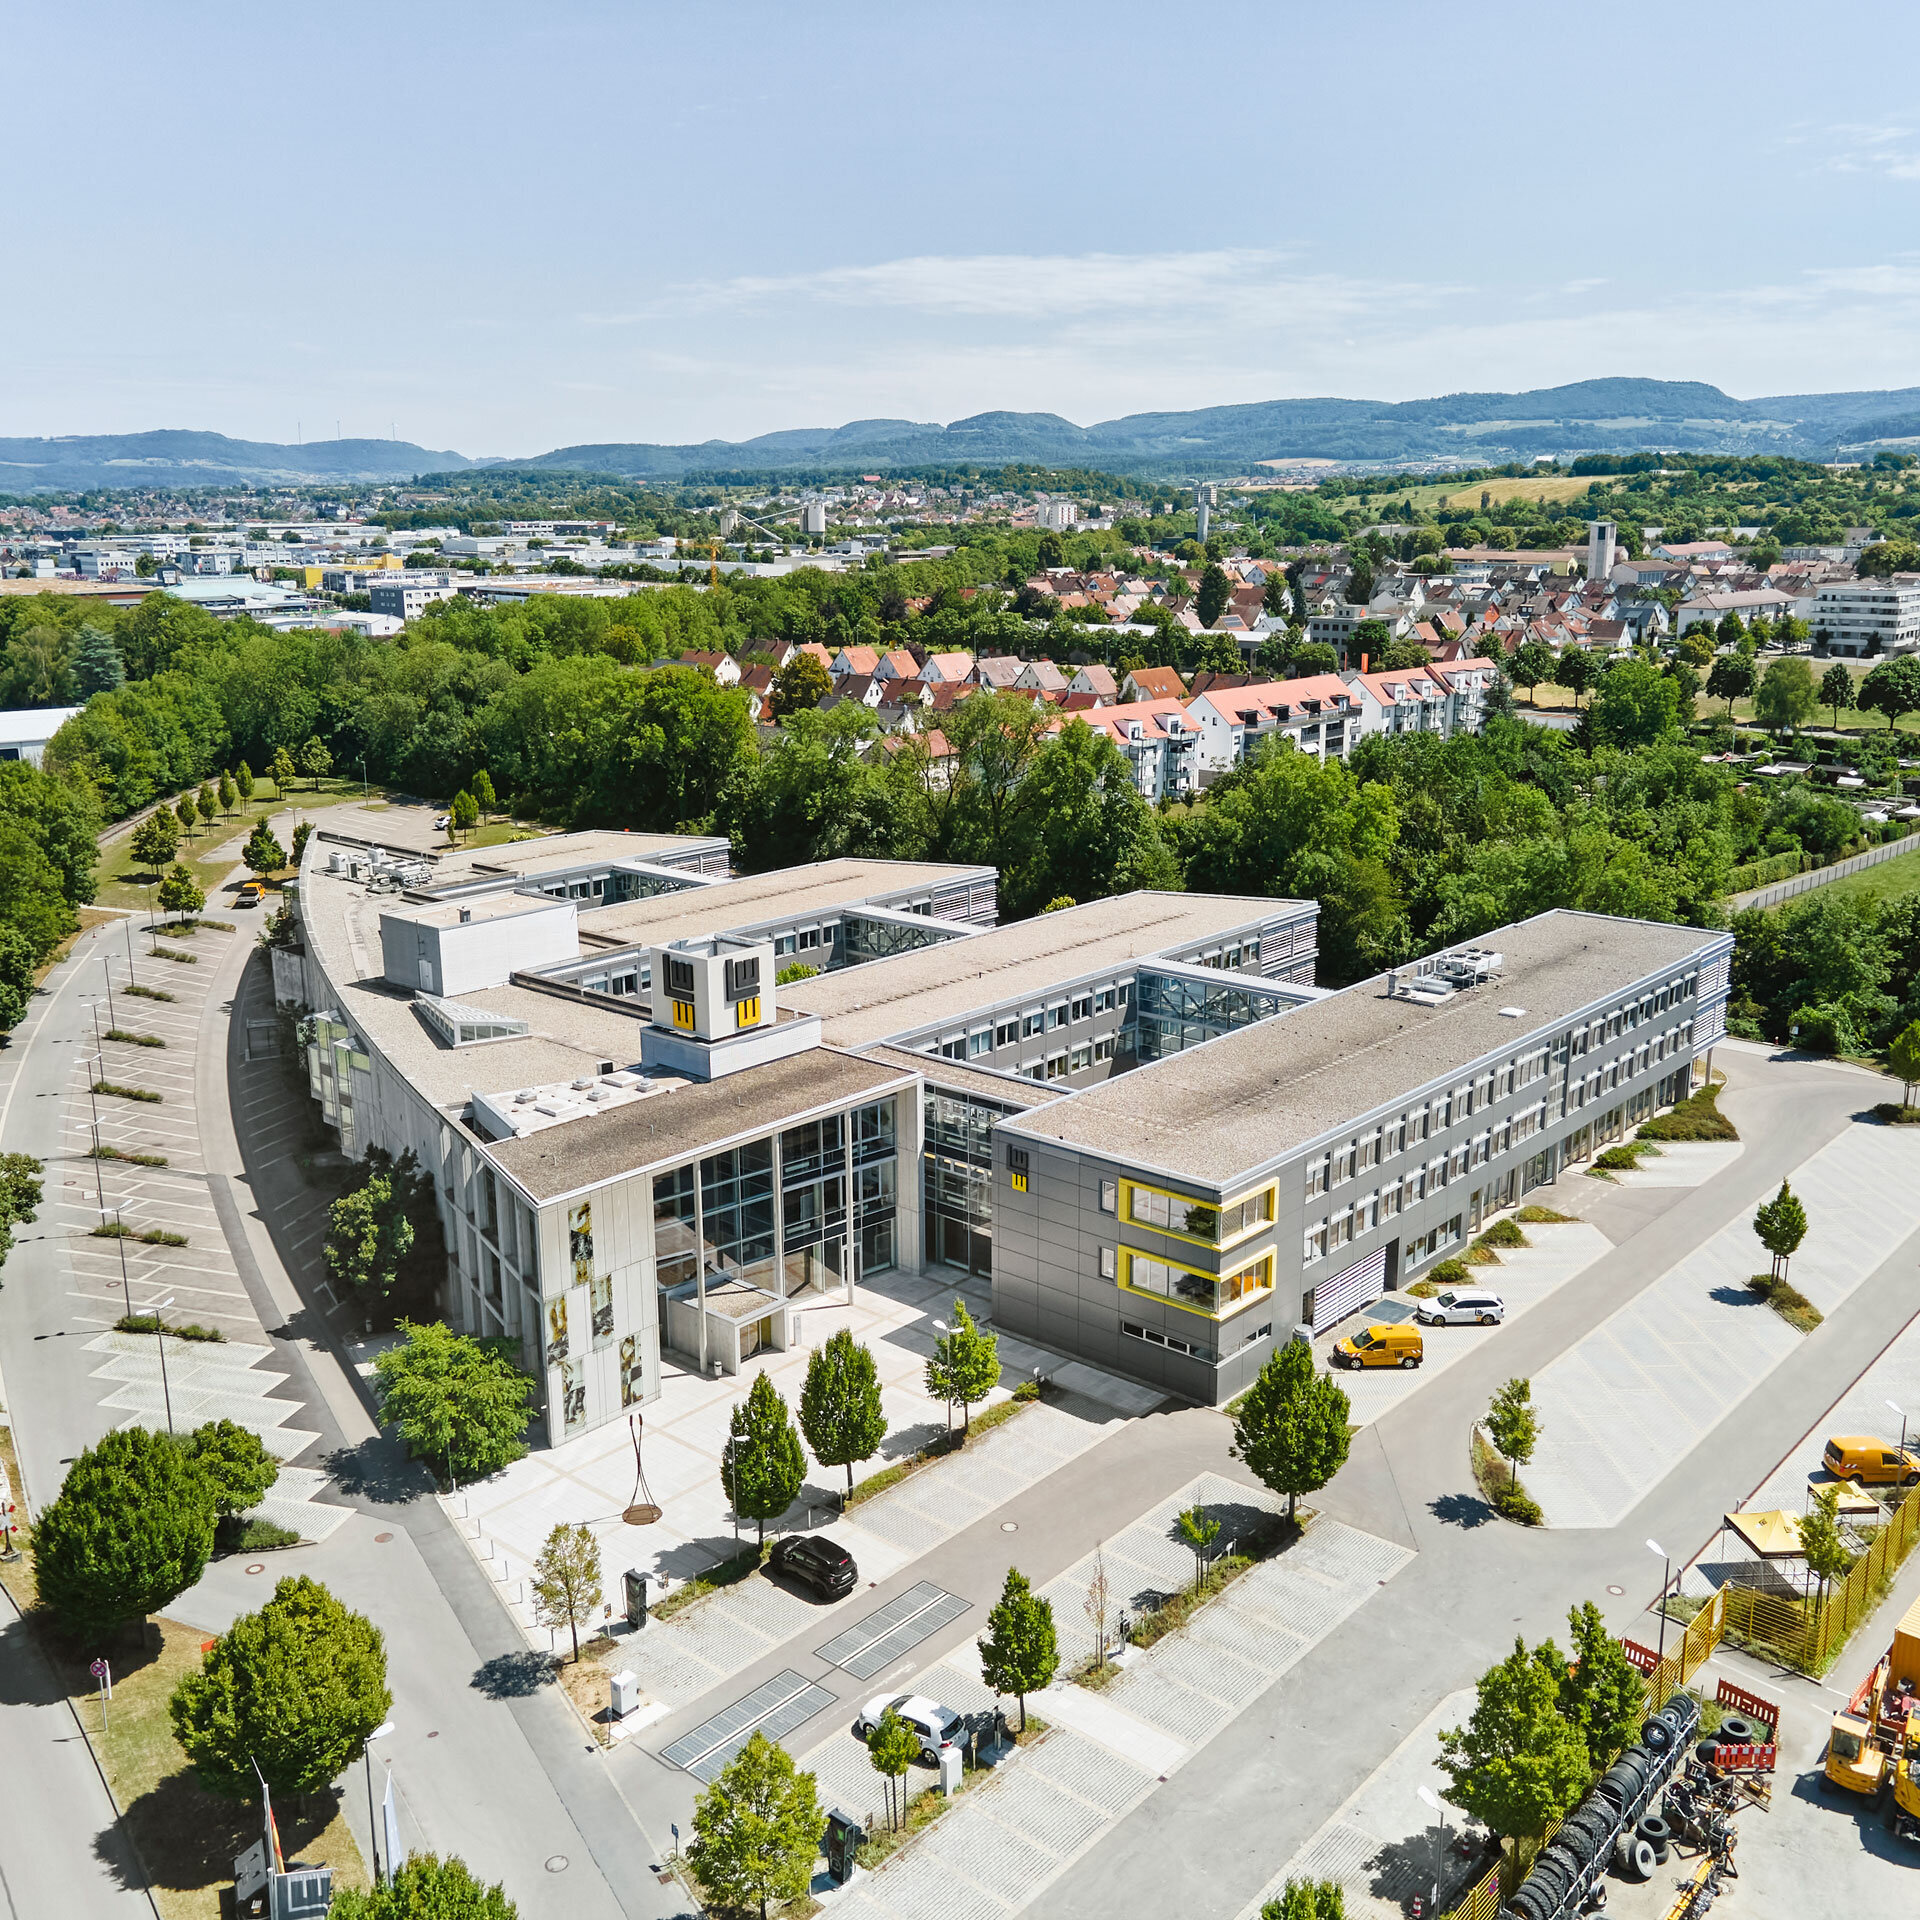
x: 816, y: 1562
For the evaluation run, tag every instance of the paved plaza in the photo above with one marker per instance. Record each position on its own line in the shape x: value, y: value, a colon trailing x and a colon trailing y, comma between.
x: 1621, y: 1408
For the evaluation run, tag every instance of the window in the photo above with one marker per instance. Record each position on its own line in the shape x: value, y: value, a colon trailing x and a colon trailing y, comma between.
x: 1243, y: 1216
x: 1083, y: 1007
x: 980, y: 1041
x: 1056, y: 1066
x: 954, y: 1048
x: 1103, y: 1048
x: 1080, y: 1056
x: 1006, y: 1032
x: 1033, y: 1069
x: 1109, y: 1196
x: 1031, y: 1022
x: 1343, y: 1163
x: 1317, y: 1176
x: 1103, y: 1000
x: 1109, y: 1263
x: 1056, y: 1015
x: 1173, y: 1213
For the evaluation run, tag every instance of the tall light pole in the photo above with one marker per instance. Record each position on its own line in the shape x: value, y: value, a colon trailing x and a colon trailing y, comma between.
x: 127, y: 924
x: 1894, y: 1406
x: 1660, y: 1553
x: 1431, y: 1799
x: 160, y: 1334
x: 373, y: 1825
x: 107, y: 974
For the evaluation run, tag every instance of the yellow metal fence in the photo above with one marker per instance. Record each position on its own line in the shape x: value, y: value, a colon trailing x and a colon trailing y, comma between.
x: 1806, y: 1633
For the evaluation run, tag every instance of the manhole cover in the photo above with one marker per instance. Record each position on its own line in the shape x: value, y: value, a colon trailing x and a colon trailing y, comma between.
x: 1009, y: 1526
x: 556, y: 1863
x: 1616, y: 1590
x: 259, y: 1566
x: 381, y: 1539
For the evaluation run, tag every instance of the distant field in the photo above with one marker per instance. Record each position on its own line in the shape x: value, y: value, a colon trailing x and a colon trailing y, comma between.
x: 1558, y: 488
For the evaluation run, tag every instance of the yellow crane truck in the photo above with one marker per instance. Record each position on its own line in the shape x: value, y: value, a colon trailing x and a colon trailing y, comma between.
x: 1875, y: 1743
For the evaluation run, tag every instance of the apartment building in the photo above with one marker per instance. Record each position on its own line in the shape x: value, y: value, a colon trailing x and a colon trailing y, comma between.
x: 1859, y: 617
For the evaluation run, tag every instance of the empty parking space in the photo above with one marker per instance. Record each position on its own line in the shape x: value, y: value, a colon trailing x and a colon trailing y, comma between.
x: 774, y: 1708
x: 873, y: 1644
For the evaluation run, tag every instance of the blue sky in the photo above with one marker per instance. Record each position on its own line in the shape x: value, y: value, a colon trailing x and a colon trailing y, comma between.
x: 506, y: 228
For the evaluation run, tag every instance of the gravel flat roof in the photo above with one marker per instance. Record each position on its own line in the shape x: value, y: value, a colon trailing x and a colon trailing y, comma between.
x: 1231, y: 1106
x: 825, y: 888
x: 859, y: 1006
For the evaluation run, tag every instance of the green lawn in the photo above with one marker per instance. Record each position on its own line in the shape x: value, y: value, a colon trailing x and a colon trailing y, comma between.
x: 1884, y: 882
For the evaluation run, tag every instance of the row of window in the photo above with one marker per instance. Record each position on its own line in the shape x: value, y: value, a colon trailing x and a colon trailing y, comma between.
x: 805, y: 940
x: 1008, y: 1029
x: 1084, y: 1053
x: 1409, y: 1129
x: 1192, y: 1219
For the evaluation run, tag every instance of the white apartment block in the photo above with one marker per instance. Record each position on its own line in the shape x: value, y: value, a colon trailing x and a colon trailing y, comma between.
x: 1857, y: 617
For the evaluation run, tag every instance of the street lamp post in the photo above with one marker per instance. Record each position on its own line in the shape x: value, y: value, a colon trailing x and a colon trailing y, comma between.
x: 127, y: 925
x: 1431, y: 1799
x: 1893, y: 1406
x: 1660, y: 1553
x: 373, y: 1825
x: 160, y: 1334
x: 107, y: 974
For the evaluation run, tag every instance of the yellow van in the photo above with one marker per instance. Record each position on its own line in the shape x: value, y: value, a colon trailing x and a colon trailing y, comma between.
x: 1395, y: 1346
x: 1870, y: 1463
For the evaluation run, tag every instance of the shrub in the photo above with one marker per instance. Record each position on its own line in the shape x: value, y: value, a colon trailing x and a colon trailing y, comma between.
x: 132, y: 1159
x: 1505, y: 1233
x: 1517, y: 1504
x: 1696, y: 1118
x: 134, y: 1039
x: 147, y: 993
x: 1787, y: 1301
x: 1619, y: 1159
x: 257, y: 1536
x: 1897, y: 1116
x: 1449, y: 1273
x: 173, y: 953
x: 126, y: 1093
x: 1533, y: 1216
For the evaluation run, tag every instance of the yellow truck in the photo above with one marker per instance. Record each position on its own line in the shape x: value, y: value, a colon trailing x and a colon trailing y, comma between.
x: 1876, y: 1740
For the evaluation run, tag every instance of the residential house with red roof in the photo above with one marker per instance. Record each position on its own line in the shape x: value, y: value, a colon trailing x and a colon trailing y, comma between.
x: 1158, y: 739
x: 1317, y: 713
x: 1152, y: 683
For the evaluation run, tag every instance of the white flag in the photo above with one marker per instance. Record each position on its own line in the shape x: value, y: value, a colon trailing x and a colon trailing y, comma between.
x: 390, y: 1818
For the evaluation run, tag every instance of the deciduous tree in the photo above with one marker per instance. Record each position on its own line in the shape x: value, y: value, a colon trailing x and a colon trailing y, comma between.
x: 762, y: 1466
x: 1020, y: 1651
x: 425, y: 1887
x: 964, y: 1366
x: 566, y: 1580
x: 236, y: 1463
x: 156, y: 839
x: 1199, y: 1529
x: 1836, y: 690
x: 1787, y: 697
x: 892, y: 1747
x: 315, y: 761
x: 130, y: 1530
x: 1603, y: 1696
x: 1730, y: 679
x: 281, y: 769
x: 1892, y: 688
x: 1514, y: 1425
x: 295, y: 1689
x: 180, y: 893
x: 840, y: 1410
x: 1518, y: 1763
x: 1292, y: 1426
x: 1903, y: 1056
x: 456, y: 1403
x: 263, y: 853
x: 1781, y: 1224
x: 756, y: 1830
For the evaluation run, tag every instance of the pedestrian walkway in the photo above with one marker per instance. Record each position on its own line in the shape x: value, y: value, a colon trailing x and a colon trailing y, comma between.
x: 997, y: 1851
x: 1618, y: 1410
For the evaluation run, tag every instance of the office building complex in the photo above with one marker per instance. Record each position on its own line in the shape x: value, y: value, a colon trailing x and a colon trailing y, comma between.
x: 666, y: 1108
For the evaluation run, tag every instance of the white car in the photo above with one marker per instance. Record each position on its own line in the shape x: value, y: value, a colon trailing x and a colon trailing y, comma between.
x: 936, y: 1725
x: 442, y: 822
x: 1459, y: 1306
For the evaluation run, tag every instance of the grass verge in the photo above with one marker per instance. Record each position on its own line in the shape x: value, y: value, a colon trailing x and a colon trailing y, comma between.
x: 729, y: 1573
x: 126, y: 1093
x: 1897, y: 1116
x: 132, y: 1159
x: 152, y: 1237
x: 130, y: 1039
x: 1498, y: 1486
x: 1531, y: 1216
x: 147, y: 993
x: 173, y: 953
x: 152, y: 1323
x: 1788, y: 1302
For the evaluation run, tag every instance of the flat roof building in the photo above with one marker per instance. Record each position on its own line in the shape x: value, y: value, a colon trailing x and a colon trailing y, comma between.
x: 1142, y: 1117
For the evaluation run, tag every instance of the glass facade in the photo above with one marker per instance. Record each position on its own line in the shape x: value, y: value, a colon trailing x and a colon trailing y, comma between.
x: 875, y: 939
x: 1172, y: 1012
x: 956, y: 1180
x: 875, y: 1161
x: 736, y: 1213
x: 813, y: 1203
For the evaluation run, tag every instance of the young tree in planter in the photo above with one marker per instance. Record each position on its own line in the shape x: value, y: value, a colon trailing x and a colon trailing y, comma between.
x: 762, y: 1467
x: 1602, y: 1694
x: 892, y: 1747
x: 1781, y: 1224
x: 1903, y: 1056
x: 566, y: 1580
x: 840, y: 1410
x: 1020, y: 1652
x: 965, y: 1366
x: 130, y: 1530
x: 263, y: 853
x: 425, y: 1885
x: 180, y: 894
x: 237, y: 1466
x: 756, y: 1830
x: 1292, y: 1427
x: 1518, y: 1763
x: 1513, y: 1425
x: 1308, y: 1900
x: 296, y: 1688
x: 1199, y: 1530
x: 457, y: 1405
x: 1822, y: 1545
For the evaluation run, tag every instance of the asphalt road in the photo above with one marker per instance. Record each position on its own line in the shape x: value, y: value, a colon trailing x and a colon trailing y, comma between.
x: 1207, y: 1841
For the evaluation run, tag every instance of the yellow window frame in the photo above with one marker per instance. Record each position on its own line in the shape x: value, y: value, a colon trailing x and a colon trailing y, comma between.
x: 1129, y: 1187
x: 1128, y: 1255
